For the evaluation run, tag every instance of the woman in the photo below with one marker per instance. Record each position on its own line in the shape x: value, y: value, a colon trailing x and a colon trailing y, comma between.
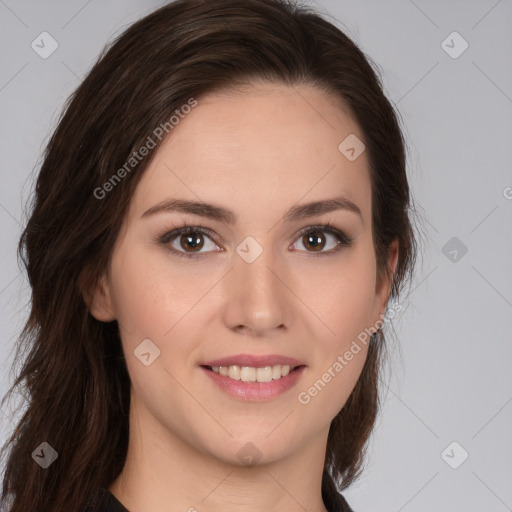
x: 220, y: 221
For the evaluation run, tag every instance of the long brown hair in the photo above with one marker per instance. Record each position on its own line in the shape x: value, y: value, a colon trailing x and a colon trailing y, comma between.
x: 73, y: 374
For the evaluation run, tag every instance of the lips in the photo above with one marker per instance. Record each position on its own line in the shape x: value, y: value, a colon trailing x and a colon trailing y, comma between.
x: 254, y: 361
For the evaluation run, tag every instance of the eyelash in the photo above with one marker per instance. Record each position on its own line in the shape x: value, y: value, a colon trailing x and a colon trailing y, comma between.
x: 344, y: 240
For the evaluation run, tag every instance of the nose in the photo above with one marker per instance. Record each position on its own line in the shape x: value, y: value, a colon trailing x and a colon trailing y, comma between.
x: 258, y: 297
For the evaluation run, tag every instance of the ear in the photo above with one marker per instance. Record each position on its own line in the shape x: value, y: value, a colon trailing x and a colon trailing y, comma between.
x: 98, y: 299
x: 384, y: 284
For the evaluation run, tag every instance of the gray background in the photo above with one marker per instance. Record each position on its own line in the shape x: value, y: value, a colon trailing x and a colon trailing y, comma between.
x: 453, y: 382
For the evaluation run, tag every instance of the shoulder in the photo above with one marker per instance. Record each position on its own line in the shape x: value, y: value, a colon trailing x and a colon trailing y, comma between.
x: 103, y: 501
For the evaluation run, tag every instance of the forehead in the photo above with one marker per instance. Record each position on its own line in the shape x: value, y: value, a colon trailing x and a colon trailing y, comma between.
x: 257, y: 147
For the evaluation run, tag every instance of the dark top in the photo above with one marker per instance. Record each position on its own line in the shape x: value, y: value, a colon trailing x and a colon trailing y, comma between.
x: 105, y: 501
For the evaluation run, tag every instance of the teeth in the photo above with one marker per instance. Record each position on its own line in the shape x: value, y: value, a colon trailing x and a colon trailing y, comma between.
x: 250, y: 374
x: 233, y: 372
x: 264, y: 374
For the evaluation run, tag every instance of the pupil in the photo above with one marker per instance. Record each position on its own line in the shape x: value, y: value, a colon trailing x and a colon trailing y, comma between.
x: 194, y: 242
x: 315, y: 241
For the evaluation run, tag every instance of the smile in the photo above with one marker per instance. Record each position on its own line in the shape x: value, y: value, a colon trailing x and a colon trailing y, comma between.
x: 252, y: 374
x: 254, y: 383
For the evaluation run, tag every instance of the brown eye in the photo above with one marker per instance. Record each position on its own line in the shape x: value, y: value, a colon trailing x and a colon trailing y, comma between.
x: 193, y: 241
x: 190, y: 242
x: 322, y: 240
x: 314, y: 240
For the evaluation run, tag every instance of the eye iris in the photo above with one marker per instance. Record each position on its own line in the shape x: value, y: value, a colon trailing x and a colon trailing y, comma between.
x: 194, y: 240
x: 314, y: 238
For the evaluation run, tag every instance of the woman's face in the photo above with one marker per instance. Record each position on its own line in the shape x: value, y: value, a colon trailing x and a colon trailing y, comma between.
x: 262, y: 281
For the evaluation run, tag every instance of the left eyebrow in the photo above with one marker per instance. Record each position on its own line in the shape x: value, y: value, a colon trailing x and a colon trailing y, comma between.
x: 215, y: 212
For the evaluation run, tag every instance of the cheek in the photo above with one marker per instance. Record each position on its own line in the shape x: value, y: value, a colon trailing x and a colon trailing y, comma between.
x: 154, y: 300
x: 344, y: 303
x: 149, y: 297
x: 325, y: 393
x: 341, y: 296
x: 151, y: 304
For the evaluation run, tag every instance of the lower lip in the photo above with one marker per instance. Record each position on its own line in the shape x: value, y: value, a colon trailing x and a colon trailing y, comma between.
x: 255, y: 391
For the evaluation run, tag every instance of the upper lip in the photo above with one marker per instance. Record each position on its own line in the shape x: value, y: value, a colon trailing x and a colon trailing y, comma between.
x: 254, y: 361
